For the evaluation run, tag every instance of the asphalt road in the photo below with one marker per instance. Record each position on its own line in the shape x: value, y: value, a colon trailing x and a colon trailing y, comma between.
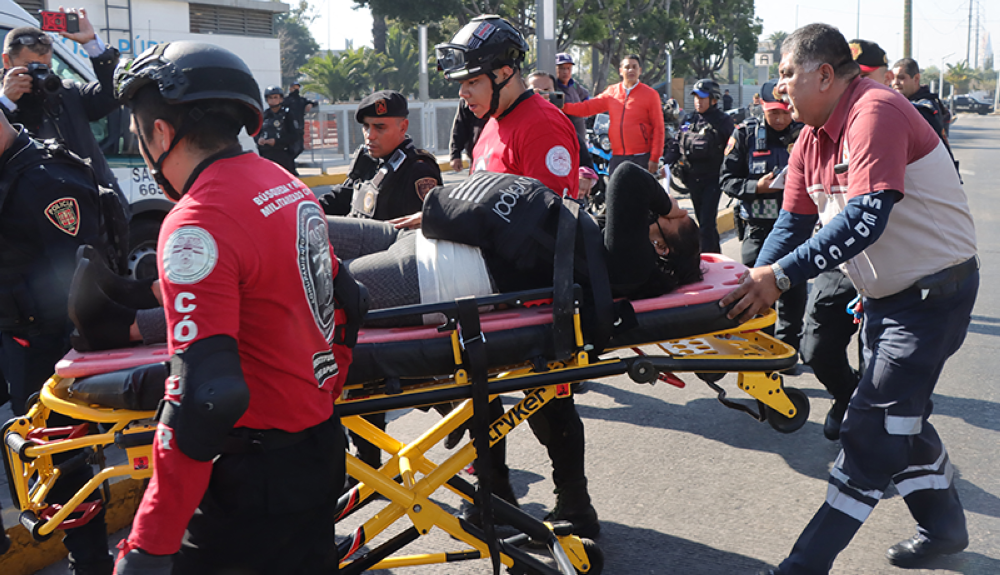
x: 684, y: 485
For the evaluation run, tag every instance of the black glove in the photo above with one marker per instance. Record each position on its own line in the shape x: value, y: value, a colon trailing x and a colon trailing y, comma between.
x: 138, y: 562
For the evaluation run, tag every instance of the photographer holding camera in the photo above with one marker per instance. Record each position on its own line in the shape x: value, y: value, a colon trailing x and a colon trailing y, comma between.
x: 50, y: 107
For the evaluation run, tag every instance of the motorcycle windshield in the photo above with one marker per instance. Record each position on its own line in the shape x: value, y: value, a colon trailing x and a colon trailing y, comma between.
x: 602, y: 124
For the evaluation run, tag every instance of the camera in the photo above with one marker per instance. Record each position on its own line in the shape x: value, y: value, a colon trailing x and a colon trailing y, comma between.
x: 43, y: 80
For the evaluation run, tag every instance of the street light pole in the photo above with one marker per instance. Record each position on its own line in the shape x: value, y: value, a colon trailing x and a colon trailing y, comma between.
x: 941, y: 86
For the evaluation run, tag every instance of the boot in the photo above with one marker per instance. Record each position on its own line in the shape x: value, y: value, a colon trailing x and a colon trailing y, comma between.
x: 834, y: 418
x: 135, y: 294
x: 100, y: 322
x: 100, y: 567
x: 573, y: 505
x: 501, y: 488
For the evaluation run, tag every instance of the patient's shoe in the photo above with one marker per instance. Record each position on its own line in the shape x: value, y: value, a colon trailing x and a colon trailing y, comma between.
x: 100, y: 323
x: 573, y: 505
x: 135, y: 294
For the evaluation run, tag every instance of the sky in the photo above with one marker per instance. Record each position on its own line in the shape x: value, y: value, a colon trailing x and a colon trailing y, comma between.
x: 940, y: 27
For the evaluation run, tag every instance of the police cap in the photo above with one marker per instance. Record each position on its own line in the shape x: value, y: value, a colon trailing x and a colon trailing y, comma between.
x: 770, y: 99
x: 869, y: 55
x: 382, y: 104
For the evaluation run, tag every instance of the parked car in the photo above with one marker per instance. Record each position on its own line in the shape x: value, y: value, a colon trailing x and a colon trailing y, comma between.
x: 969, y: 103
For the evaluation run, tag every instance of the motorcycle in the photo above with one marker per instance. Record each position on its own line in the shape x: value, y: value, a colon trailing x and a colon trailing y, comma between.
x: 599, y: 146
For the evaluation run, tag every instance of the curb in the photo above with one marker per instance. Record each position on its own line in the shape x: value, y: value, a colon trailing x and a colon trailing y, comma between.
x: 26, y: 556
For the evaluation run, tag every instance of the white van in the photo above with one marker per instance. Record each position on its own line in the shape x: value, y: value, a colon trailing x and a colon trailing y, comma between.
x: 145, y: 198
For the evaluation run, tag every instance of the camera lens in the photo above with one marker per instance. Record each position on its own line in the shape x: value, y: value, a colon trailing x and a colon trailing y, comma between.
x: 51, y: 83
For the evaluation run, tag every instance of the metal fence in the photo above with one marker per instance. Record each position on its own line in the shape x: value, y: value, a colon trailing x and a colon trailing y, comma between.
x: 332, y: 134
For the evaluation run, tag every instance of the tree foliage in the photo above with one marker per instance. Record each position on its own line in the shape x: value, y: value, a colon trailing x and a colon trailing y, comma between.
x: 961, y: 75
x: 352, y: 74
x: 296, y: 41
x: 700, y: 34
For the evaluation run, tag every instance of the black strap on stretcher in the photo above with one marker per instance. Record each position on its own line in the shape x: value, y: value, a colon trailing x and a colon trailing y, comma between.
x: 563, y: 304
x: 474, y: 352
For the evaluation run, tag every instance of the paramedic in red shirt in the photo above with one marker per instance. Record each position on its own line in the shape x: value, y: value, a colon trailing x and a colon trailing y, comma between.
x: 636, y: 114
x: 895, y: 218
x: 526, y: 136
x: 249, y: 456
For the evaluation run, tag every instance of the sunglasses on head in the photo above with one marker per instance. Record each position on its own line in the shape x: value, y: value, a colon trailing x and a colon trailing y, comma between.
x: 43, y: 39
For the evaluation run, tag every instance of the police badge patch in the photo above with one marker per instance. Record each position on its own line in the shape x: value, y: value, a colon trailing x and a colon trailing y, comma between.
x: 380, y: 108
x: 64, y: 213
x: 425, y: 185
x: 316, y: 266
x: 730, y: 145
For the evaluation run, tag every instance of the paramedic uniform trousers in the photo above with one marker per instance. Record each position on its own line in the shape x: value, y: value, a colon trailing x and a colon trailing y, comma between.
x: 886, y: 436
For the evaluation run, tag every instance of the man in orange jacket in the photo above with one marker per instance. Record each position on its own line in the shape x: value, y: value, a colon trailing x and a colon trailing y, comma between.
x: 636, y: 117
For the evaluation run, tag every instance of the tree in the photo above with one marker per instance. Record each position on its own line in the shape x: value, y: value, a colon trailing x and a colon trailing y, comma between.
x: 961, y: 75
x: 348, y: 75
x: 777, y: 39
x: 296, y: 41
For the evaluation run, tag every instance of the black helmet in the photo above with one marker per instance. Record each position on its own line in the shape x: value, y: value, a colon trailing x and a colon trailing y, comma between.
x: 273, y: 90
x: 486, y: 43
x: 707, y: 88
x: 189, y: 72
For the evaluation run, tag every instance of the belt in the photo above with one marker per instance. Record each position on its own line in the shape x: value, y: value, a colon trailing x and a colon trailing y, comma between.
x: 247, y: 440
x: 945, y: 282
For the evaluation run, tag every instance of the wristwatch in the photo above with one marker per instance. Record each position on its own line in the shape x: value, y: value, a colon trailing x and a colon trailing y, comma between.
x: 780, y: 278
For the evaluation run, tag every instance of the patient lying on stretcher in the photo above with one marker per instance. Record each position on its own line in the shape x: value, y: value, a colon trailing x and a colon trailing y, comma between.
x: 491, y: 233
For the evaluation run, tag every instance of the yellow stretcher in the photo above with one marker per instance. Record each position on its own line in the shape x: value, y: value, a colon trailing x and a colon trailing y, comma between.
x: 409, y: 480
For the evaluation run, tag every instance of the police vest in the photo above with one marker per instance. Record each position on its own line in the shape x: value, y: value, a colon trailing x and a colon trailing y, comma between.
x: 274, y: 124
x: 390, y: 193
x: 19, y: 265
x: 701, y: 147
x: 762, y: 158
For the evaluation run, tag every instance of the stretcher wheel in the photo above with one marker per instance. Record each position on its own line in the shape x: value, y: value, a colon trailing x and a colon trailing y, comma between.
x: 594, y: 556
x: 785, y: 424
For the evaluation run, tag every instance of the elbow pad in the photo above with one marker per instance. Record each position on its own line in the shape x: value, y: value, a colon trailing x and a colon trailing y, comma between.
x: 206, y: 396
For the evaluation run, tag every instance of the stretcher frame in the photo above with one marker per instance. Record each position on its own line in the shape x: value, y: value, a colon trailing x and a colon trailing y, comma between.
x: 409, y: 479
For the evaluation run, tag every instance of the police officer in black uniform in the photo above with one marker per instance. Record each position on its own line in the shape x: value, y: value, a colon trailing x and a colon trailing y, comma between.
x: 277, y: 136
x: 756, y: 152
x: 298, y: 105
x: 906, y: 81
x: 389, y: 176
x: 696, y: 155
x: 50, y: 205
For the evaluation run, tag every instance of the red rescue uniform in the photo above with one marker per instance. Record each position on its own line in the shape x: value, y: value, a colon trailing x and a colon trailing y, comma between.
x: 532, y: 138
x: 245, y: 254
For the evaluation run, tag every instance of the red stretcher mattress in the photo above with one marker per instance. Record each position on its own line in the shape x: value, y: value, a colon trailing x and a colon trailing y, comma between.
x: 513, y: 336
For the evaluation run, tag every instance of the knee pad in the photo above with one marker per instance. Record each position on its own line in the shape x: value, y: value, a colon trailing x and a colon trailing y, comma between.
x: 213, y: 396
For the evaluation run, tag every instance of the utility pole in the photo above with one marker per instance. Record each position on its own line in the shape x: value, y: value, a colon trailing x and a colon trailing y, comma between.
x: 968, y: 41
x: 857, y: 31
x: 545, y: 35
x: 976, y: 58
x: 907, y: 28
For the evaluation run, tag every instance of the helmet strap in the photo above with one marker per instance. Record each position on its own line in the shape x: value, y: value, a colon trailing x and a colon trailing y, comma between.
x: 156, y: 169
x: 497, y: 87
